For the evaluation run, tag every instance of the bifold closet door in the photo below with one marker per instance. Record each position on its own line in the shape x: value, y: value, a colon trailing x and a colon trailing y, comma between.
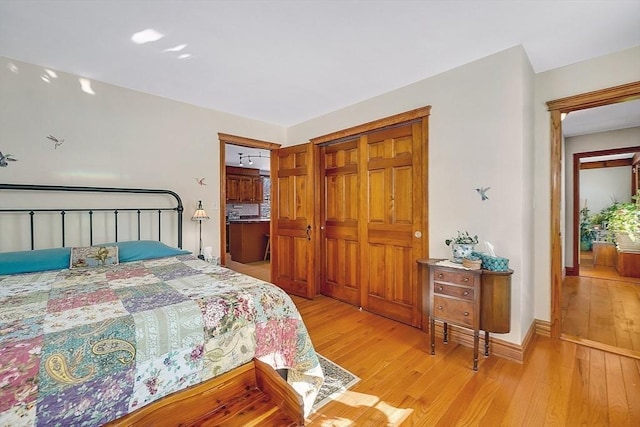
x: 392, y: 220
x: 340, y: 272
x: 373, y: 220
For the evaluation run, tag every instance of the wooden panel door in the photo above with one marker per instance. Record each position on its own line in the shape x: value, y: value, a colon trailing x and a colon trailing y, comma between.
x: 340, y: 254
x: 292, y: 220
x: 393, y: 222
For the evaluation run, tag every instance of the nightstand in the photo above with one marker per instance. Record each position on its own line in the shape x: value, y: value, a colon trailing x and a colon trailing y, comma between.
x: 473, y: 299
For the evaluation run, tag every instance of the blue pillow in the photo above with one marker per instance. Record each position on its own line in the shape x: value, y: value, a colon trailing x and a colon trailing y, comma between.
x: 34, y: 261
x: 146, y: 249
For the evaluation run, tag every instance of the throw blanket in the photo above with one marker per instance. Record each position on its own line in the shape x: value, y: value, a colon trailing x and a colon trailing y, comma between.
x: 87, y: 345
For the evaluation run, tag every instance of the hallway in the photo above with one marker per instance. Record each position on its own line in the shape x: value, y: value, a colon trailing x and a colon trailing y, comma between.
x: 603, y: 307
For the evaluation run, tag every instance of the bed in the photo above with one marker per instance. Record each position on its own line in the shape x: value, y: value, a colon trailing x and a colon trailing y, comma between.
x: 91, y: 333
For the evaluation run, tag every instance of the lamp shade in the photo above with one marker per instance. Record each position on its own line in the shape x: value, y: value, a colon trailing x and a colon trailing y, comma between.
x: 199, y: 214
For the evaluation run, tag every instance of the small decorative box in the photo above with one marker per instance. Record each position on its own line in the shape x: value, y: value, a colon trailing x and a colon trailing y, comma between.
x: 493, y: 263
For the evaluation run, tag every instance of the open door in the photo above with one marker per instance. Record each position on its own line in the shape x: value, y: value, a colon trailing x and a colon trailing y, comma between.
x: 293, y: 220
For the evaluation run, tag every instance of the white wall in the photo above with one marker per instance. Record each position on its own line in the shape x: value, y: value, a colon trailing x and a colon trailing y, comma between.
x: 480, y: 134
x: 117, y: 137
x: 599, y: 188
x: 599, y: 73
x: 598, y: 185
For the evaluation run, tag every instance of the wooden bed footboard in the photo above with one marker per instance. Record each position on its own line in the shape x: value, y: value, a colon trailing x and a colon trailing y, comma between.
x: 253, y: 394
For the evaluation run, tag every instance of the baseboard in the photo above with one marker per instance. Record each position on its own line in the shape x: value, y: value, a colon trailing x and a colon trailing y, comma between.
x: 543, y: 327
x: 497, y: 347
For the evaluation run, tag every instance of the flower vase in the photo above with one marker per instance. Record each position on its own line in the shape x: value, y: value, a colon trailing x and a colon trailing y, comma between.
x: 461, y: 251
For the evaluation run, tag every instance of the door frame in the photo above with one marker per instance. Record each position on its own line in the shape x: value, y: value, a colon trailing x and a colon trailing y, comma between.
x: 612, y: 95
x: 242, y: 141
x: 574, y: 270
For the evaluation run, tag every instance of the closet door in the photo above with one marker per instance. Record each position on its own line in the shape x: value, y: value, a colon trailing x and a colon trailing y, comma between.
x: 340, y: 253
x: 392, y: 220
x: 292, y: 220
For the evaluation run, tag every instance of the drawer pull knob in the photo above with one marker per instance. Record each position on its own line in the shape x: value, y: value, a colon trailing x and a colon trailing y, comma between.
x: 440, y: 276
x: 439, y: 307
x: 440, y: 288
x: 466, y: 313
x: 466, y: 279
x: 465, y: 293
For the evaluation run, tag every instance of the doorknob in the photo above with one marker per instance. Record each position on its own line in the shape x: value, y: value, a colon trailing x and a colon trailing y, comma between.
x: 309, y: 232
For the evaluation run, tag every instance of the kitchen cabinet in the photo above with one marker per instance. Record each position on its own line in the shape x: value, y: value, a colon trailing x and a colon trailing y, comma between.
x: 244, y: 185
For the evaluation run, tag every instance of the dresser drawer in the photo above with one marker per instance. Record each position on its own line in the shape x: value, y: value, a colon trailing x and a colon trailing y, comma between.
x: 453, y: 310
x: 458, y: 277
x: 454, y: 291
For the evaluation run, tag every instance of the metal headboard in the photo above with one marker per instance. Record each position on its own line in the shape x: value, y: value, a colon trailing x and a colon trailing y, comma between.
x: 32, y: 212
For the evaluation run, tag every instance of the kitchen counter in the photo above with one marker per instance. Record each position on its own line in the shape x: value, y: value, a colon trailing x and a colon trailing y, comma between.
x: 248, y: 239
x: 248, y: 220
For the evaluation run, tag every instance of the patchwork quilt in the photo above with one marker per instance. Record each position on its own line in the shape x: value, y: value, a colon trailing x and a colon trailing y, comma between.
x: 84, y: 346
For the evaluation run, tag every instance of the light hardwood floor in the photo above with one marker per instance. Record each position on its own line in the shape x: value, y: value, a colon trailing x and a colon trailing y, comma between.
x: 560, y: 383
x: 260, y: 269
x: 602, y: 307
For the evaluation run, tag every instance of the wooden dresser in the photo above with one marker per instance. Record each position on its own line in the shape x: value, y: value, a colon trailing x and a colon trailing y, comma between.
x: 472, y: 299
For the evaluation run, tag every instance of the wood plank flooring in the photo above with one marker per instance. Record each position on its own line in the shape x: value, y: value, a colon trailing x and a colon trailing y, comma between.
x: 260, y: 270
x: 602, y: 307
x: 560, y: 383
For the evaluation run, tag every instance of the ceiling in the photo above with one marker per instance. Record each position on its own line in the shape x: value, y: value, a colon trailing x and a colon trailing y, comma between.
x: 601, y: 119
x: 287, y: 61
x: 260, y: 158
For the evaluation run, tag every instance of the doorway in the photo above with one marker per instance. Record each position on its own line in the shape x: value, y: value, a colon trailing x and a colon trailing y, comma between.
x: 558, y: 107
x: 599, y: 305
x: 237, y: 152
x: 609, y: 167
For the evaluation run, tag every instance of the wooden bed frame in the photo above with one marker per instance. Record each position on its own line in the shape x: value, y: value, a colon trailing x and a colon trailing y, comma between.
x: 252, y: 394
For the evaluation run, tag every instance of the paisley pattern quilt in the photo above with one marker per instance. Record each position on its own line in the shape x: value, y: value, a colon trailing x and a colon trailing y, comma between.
x: 88, y: 345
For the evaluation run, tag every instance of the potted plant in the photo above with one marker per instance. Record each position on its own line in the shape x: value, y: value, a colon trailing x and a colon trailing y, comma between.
x: 461, y: 245
x: 624, y: 223
x: 586, y: 232
x: 600, y: 223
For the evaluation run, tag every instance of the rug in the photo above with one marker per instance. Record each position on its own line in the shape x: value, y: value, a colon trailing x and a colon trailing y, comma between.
x: 336, y: 381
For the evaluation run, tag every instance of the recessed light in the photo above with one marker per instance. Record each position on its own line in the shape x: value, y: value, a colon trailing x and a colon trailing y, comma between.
x: 51, y: 73
x: 146, y: 36
x: 85, y: 85
x: 175, y: 48
x: 184, y: 56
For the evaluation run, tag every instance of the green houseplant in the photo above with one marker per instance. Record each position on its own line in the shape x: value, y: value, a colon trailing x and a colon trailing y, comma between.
x: 586, y: 233
x: 462, y: 244
x: 624, y: 223
x: 601, y: 220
